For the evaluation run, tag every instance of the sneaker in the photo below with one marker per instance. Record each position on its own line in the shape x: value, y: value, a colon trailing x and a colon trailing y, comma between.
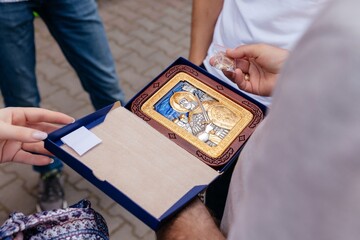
x: 51, y: 193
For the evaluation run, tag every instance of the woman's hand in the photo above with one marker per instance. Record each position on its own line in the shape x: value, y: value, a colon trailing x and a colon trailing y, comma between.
x: 22, y: 131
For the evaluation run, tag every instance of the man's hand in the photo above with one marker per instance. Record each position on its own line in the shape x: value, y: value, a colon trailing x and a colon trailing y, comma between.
x: 194, y: 222
x: 22, y: 131
x: 257, y: 67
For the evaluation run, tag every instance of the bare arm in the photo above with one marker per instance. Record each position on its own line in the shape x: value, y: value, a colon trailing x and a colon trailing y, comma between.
x: 204, y: 16
x: 194, y: 222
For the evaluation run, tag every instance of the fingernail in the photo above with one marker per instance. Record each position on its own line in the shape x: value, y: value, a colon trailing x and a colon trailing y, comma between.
x: 51, y: 160
x: 39, y: 135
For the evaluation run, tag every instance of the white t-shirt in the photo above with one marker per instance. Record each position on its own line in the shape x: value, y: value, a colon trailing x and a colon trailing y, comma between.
x: 277, y: 22
x: 298, y: 177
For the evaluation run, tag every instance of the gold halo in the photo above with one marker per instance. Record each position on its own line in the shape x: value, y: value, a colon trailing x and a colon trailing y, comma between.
x: 176, y: 97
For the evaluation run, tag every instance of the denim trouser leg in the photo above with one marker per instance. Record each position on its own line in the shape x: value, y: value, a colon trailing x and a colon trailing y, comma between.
x: 17, y: 60
x: 17, y: 50
x: 77, y: 27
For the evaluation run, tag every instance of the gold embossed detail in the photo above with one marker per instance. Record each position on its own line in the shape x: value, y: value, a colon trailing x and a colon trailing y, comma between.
x: 223, y: 112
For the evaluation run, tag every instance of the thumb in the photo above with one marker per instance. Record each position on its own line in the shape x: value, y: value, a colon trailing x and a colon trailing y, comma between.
x: 19, y: 133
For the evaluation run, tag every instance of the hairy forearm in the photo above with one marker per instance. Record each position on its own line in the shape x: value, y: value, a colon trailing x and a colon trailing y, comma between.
x: 194, y: 222
x: 204, y: 16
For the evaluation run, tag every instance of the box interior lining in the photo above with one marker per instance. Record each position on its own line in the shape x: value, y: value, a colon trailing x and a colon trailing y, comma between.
x: 142, y: 163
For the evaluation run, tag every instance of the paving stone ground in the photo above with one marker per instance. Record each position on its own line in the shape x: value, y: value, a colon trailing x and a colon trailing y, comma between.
x: 145, y: 36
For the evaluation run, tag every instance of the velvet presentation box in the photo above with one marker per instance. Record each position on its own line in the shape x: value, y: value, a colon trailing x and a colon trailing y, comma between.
x: 169, y: 142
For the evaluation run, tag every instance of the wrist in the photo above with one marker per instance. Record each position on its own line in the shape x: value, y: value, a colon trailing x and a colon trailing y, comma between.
x: 194, y: 220
x: 196, y: 59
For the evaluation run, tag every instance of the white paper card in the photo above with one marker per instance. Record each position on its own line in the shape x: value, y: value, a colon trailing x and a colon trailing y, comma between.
x: 81, y: 140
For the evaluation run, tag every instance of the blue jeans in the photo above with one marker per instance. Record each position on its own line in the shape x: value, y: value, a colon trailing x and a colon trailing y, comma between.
x: 77, y: 28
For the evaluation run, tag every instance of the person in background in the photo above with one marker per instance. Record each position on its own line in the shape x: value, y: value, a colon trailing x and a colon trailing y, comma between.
x: 231, y: 23
x: 77, y: 28
x: 298, y: 176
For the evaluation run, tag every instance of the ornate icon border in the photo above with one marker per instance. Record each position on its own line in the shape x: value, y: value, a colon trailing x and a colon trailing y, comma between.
x: 244, y: 114
x: 135, y: 106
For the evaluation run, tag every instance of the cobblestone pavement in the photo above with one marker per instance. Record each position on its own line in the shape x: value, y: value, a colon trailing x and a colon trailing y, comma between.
x: 145, y: 36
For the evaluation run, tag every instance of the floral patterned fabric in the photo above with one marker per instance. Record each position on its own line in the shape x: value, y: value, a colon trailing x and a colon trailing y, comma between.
x: 79, y: 221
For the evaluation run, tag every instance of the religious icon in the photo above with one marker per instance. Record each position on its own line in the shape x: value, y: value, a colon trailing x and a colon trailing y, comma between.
x: 207, y: 119
x: 197, y: 113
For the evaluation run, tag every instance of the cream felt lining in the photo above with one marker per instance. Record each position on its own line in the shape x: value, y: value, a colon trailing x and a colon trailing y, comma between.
x: 143, y: 164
